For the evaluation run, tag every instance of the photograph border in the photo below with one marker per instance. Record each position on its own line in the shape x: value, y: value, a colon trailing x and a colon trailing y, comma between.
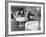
x: 6, y: 17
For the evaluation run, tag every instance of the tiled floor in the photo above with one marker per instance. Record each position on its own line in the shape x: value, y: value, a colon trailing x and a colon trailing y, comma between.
x: 15, y: 26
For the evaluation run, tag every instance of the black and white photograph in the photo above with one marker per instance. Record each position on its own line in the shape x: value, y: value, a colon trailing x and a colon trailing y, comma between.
x: 25, y: 18
x: 22, y: 18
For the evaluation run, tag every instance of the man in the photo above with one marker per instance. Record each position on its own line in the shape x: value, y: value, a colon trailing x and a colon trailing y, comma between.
x: 33, y: 19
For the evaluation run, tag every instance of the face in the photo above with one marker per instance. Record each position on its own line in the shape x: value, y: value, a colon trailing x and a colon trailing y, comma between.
x: 14, y: 15
x: 26, y: 11
x: 31, y: 17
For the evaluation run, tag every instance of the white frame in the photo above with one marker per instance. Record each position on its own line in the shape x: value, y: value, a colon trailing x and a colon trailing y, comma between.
x: 23, y: 32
